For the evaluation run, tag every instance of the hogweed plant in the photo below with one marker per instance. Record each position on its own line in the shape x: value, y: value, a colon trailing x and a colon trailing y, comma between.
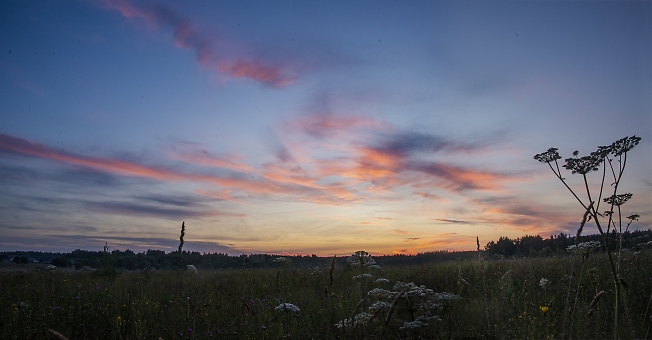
x: 612, y: 159
x: 285, y: 307
x: 411, y: 307
x: 363, y: 263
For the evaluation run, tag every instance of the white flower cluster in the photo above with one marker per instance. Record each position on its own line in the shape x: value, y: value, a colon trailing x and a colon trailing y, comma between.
x: 362, y: 276
x: 543, y: 282
x: 378, y: 305
x: 287, y: 307
x: 379, y: 293
x: 412, y: 290
x: 381, y: 280
x: 648, y: 244
x: 428, y: 306
x: 362, y: 258
x: 281, y: 260
x: 191, y: 269
x: 358, y: 320
x: 412, y: 325
x: 315, y: 272
x: 446, y: 296
x: 583, y: 247
x: 421, y: 321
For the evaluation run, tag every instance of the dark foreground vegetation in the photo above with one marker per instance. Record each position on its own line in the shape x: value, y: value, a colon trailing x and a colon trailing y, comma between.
x: 517, y: 298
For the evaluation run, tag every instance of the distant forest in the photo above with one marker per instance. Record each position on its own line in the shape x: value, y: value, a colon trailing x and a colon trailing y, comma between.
x: 526, y: 246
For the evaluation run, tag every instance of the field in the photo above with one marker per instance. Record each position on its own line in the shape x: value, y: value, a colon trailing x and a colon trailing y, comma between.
x: 530, y: 298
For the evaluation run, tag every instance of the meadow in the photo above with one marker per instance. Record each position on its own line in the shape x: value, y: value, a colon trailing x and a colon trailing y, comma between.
x: 528, y: 298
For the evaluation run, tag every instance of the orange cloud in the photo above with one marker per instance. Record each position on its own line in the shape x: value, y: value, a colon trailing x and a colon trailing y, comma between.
x: 423, y: 244
x: 302, y: 190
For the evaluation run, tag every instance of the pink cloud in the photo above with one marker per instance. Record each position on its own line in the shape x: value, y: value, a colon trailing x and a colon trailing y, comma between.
x: 256, y: 70
x: 300, y: 190
x: 320, y: 125
x: 188, y: 35
x: 204, y: 157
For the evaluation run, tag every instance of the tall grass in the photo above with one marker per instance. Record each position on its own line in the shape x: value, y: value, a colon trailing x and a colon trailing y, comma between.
x: 500, y: 299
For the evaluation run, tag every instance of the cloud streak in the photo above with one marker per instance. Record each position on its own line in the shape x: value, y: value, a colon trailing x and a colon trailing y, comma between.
x: 142, y: 210
x: 302, y: 190
x: 187, y: 35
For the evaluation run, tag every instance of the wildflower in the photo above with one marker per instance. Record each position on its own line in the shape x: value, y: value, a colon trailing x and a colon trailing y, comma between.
x: 583, y: 165
x: 543, y: 282
x: 446, y: 296
x: 378, y: 292
x: 287, y: 307
x: 548, y: 156
x: 583, y: 247
x: 361, y: 258
x: 119, y: 318
x: 412, y: 325
x: 191, y: 269
x: 544, y: 309
x: 623, y: 145
x: 618, y: 200
x: 412, y: 289
x: 378, y: 305
x: 381, y: 280
x: 281, y: 260
x: 362, y: 276
x: 360, y: 319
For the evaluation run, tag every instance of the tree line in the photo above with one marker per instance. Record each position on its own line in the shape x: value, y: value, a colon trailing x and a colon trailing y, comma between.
x: 505, y: 247
x: 533, y: 246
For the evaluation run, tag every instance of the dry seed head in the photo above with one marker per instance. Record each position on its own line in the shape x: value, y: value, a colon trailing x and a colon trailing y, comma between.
x: 391, y: 309
x: 596, y: 299
x: 57, y: 334
x: 330, y: 271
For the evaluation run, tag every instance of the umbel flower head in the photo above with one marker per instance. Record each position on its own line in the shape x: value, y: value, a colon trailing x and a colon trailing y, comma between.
x: 281, y: 260
x: 361, y: 258
x: 633, y: 217
x: 623, y: 145
x: 287, y: 307
x: 543, y: 282
x: 618, y: 200
x: 585, y: 164
x: 584, y: 247
x: 548, y: 156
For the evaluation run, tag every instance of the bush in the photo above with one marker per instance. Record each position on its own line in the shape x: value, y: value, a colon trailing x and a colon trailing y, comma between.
x: 21, y: 259
x: 61, y: 262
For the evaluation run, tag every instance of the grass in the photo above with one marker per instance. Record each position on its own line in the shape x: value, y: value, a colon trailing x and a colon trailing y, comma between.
x: 499, y: 299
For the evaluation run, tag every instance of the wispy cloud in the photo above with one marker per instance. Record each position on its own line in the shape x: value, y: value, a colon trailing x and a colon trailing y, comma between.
x: 363, y: 150
x: 204, y: 157
x: 355, y: 159
x: 411, y: 239
x: 451, y: 221
x: 188, y: 35
x: 301, y: 190
x: 142, y: 210
x: 523, y: 216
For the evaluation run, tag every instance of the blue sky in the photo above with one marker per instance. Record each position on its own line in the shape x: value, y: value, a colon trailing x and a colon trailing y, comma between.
x: 318, y: 127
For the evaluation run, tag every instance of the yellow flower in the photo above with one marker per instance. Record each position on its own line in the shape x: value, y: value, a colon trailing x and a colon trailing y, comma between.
x: 119, y: 319
x: 544, y: 309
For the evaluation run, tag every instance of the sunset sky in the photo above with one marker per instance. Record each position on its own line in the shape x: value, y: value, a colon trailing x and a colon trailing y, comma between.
x: 312, y: 127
